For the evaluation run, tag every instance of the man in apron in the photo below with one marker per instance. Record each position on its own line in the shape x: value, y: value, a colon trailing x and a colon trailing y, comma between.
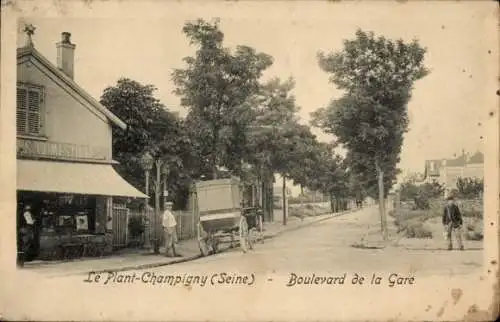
x: 452, y: 222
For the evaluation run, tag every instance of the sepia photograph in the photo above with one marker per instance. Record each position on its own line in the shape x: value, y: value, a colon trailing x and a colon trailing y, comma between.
x: 250, y: 160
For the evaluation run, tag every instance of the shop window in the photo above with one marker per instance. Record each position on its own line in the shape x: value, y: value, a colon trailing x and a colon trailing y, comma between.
x: 29, y: 109
x: 67, y: 213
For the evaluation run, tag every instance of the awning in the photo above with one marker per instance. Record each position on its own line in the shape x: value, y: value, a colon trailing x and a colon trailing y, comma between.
x: 79, y: 178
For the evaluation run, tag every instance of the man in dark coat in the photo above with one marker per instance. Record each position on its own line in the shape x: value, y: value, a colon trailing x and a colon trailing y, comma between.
x: 452, y: 222
x: 27, y: 234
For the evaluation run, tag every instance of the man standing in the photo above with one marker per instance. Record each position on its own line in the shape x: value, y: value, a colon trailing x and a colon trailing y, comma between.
x: 27, y: 233
x: 452, y: 222
x: 169, y: 229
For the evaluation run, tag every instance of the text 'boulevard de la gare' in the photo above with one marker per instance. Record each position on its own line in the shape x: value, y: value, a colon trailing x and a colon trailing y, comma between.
x: 235, y: 279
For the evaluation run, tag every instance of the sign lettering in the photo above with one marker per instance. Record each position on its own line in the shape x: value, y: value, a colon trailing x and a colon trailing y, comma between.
x: 57, y: 150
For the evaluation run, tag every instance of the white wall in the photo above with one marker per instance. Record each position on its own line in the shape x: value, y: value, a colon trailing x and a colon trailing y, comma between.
x: 66, y: 119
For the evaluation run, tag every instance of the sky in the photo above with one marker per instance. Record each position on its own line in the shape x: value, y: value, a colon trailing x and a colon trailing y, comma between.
x: 145, y: 43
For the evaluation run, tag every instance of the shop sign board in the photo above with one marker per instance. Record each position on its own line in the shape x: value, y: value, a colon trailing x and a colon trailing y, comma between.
x: 57, y: 150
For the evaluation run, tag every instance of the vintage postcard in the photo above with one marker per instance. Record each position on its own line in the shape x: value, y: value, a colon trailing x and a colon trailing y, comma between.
x: 249, y: 160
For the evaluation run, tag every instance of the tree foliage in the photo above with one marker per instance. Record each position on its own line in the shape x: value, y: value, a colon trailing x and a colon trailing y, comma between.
x: 421, y: 194
x: 282, y: 144
x: 217, y: 87
x: 469, y: 188
x: 150, y: 127
x: 377, y: 75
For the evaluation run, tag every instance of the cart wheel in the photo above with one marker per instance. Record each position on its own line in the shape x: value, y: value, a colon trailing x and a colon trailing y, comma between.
x: 257, y: 232
x: 245, y: 242
x: 202, y: 242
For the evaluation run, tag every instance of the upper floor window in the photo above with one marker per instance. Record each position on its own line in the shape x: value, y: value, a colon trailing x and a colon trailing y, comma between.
x: 29, y: 118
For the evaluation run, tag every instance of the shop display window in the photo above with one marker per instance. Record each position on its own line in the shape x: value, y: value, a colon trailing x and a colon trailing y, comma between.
x: 63, y: 213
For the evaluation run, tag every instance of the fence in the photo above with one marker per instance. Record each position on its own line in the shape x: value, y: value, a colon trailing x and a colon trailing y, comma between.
x: 133, y: 228
x: 120, y: 225
x: 186, y: 224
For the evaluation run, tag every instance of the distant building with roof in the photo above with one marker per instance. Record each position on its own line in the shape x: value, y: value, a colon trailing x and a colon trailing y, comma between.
x: 447, y: 171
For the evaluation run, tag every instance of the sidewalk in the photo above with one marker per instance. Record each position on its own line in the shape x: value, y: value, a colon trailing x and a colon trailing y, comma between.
x: 130, y: 259
x: 373, y: 238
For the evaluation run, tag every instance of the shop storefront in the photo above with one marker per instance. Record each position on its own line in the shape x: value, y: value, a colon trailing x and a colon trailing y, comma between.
x: 65, y: 161
x: 71, y: 203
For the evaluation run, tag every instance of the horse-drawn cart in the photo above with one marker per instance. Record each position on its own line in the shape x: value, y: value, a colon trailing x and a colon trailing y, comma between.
x: 222, y: 218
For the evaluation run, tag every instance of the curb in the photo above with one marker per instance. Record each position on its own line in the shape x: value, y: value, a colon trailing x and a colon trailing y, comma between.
x: 146, y: 266
x: 197, y: 256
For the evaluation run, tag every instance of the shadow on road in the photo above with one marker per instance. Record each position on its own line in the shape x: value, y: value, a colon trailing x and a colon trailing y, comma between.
x: 441, y: 249
x: 366, y: 247
x: 417, y: 248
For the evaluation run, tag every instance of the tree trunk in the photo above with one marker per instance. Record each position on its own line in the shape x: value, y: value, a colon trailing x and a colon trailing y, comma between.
x: 270, y: 195
x: 215, y: 140
x: 381, y: 202
x: 264, y: 198
x: 284, y: 200
x: 301, y: 197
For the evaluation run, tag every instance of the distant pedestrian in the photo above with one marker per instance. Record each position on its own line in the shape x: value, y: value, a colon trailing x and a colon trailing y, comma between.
x: 452, y: 222
x: 169, y: 228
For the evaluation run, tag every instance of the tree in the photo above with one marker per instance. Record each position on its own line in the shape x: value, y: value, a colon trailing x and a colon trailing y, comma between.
x: 421, y: 194
x: 150, y: 127
x: 217, y: 87
x: 469, y: 188
x: 369, y: 120
x: 364, y: 175
x: 328, y: 174
x: 409, y: 191
x: 274, y: 139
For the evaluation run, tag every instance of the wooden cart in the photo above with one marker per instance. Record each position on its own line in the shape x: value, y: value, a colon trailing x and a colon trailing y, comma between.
x: 221, y: 217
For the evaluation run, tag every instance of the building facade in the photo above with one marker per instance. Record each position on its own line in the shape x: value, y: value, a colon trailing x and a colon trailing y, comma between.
x: 64, y: 153
x: 447, y: 171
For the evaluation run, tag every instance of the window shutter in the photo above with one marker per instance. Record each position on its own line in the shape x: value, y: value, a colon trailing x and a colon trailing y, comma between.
x: 28, y: 111
x: 22, y: 110
x: 33, y: 111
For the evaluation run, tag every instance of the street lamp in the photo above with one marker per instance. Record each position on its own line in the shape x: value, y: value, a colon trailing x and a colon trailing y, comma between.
x: 157, y: 186
x: 146, y: 163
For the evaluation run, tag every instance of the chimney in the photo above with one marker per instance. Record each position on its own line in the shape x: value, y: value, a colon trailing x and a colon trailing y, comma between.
x: 66, y: 55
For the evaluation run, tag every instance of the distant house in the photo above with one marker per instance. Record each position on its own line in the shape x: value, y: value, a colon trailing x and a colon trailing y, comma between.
x: 447, y: 171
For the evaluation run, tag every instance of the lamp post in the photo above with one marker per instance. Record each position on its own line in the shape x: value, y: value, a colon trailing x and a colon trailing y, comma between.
x: 157, y: 186
x: 165, y: 172
x: 147, y: 165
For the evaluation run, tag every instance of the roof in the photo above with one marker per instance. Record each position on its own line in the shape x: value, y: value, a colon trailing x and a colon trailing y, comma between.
x: 31, y: 51
x: 457, y: 162
x: 461, y: 161
x: 477, y: 158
